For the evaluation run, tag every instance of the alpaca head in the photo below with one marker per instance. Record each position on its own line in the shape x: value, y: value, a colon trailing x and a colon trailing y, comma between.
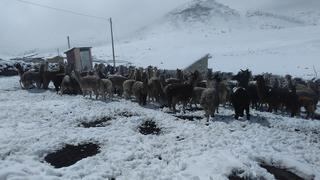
x: 243, y: 77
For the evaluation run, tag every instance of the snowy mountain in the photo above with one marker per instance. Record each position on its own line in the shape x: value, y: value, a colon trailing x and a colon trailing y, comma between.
x: 265, y: 36
x: 208, y: 12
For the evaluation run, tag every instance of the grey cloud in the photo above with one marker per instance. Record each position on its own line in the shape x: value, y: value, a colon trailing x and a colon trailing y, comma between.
x: 25, y: 27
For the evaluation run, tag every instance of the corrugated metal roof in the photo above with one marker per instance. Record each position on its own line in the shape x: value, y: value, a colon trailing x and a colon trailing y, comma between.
x: 81, y: 48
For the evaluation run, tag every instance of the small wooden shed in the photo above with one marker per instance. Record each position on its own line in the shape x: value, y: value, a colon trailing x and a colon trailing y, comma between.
x: 79, y: 59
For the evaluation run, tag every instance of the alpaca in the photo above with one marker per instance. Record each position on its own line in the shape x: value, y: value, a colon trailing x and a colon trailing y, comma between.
x: 117, y: 83
x: 140, y: 90
x: 179, y: 92
x: 28, y: 78
x: 70, y: 85
x: 308, y: 104
x: 55, y: 76
x: 240, y: 98
x: 138, y: 75
x: 221, y: 87
x: 88, y: 84
x: 308, y: 99
x: 127, y: 88
x: 266, y: 95
x: 215, y: 94
x: 240, y: 101
x: 253, y: 93
x: 105, y: 88
x: 209, y: 101
x: 154, y: 89
x: 196, y: 95
x: 223, y: 93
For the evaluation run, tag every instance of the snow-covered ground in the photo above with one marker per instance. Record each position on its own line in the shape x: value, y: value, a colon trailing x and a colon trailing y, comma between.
x: 35, y: 123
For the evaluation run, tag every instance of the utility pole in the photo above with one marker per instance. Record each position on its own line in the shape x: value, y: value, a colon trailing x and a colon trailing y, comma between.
x: 113, y: 56
x: 68, y: 38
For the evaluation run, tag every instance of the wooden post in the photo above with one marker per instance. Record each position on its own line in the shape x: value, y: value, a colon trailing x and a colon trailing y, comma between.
x: 68, y: 38
x: 113, y: 55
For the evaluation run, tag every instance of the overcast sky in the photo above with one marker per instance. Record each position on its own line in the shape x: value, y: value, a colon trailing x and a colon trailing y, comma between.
x: 25, y: 27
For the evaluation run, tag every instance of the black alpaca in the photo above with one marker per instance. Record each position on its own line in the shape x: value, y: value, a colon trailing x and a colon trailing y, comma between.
x: 240, y: 98
x: 180, y: 92
x: 55, y: 77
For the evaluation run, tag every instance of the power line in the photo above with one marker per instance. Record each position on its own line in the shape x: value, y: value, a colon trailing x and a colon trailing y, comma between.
x: 63, y: 10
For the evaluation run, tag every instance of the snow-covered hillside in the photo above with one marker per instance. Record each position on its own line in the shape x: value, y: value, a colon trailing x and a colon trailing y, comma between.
x: 266, y: 36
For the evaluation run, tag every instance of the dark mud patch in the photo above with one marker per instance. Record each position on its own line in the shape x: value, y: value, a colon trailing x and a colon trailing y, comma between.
x: 71, y: 154
x: 188, y: 117
x: 127, y: 114
x: 280, y: 173
x: 178, y: 138
x: 236, y: 175
x: 101, y: 122
x: 149, y: 127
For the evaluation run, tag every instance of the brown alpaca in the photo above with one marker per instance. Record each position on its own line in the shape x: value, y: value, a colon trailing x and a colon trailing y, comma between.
x: 27, y: 79
x: 117, y: 83
x: 88, y: 84
x: 154, y: 89
x: 140, y: 90
x: 127, y: 88
x: 105, y: 88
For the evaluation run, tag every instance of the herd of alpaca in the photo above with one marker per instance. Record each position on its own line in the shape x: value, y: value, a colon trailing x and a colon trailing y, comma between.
x: 152, y: 85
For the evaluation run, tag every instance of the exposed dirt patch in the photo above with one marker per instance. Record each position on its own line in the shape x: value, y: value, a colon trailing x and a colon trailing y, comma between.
x: 188, y: 117
x: 71, y: 154
x: 127, y: 114
x: 102, y: 122
x: 235, y: 177
x: 149, y: 127
x: 281, y: 174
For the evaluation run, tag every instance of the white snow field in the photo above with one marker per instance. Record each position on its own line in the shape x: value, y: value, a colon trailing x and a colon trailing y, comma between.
x: 265, y: 36
x: 35, y: 123
x: 281, y: 37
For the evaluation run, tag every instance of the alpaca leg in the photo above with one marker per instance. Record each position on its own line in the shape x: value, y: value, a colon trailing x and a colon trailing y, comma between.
x: 144, y: 100
x: 236, y: 116
x: 22, y: 86
x: 61, y: 90
x: 56, y: 86
x: 248, y: 112
x: 174, y: 107
x: 212, y: 113
x: 184, y: 104
x: 38, y: 84
x: 97, y: 94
